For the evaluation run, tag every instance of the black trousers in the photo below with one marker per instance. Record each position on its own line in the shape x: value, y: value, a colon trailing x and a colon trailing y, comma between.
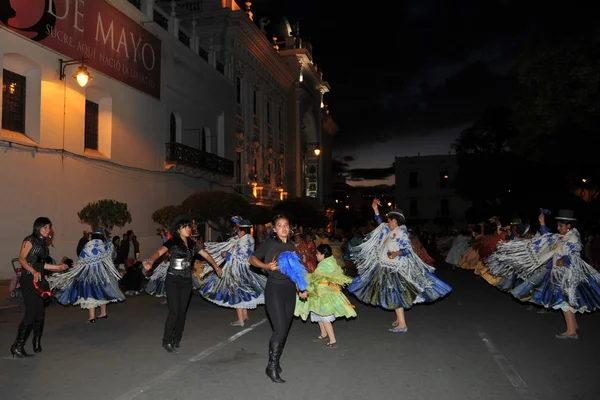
x: 179, y: 291
x: 35, y: 312
x: 280, y: 302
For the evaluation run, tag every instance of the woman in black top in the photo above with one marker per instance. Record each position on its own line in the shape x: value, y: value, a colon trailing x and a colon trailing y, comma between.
x: 280, y: 292
x: 32, y: 258
x: 178, y: 283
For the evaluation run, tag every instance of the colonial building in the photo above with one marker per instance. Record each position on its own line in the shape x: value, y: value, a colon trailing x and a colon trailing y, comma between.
x: 283, y: 131
x: 130, y: 134
x: 424, y: 191
x: 169, y: 99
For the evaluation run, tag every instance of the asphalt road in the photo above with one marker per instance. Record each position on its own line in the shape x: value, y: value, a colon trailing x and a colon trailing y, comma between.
x: 477, y: 343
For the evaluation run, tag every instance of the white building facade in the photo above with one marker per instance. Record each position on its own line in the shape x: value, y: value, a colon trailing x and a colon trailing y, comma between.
x: 155, y: 124
x: 424, y: 191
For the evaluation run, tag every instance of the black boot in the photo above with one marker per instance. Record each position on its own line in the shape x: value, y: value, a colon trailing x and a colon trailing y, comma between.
x: 274, y: 355
x: 168, y: 346
x: 38, y: 330
x: 18, y: 347
x: 279, y: 370
x: 175, y: 344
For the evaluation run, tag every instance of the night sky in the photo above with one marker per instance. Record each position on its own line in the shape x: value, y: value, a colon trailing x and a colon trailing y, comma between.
x: 408, y: 76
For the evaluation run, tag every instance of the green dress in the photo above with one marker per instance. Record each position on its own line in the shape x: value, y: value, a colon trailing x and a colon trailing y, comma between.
x: 325, y: 301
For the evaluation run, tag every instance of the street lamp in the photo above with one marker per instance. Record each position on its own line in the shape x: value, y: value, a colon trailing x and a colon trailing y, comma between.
x: 81, y: 75
x: 316, y: 153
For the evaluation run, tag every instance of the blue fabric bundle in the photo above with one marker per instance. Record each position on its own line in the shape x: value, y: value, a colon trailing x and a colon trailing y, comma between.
x: 289, y: 264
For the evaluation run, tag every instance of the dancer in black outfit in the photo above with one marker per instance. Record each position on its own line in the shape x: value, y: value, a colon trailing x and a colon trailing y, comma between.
x: 32, y: 258
x: 280, y: 292
x: 178, y: 283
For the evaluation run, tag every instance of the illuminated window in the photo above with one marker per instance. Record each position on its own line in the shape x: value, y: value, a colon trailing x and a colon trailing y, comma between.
x: 444, y: 179
x: 13, y: 101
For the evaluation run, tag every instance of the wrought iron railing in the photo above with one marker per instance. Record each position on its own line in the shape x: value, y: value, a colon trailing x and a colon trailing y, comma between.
x: 181, y: 154
x: 161, y: 20
x: 203, y: 53
x: 183, y: 38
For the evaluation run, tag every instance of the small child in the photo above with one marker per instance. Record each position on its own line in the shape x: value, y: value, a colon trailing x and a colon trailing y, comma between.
x: 326, y: 302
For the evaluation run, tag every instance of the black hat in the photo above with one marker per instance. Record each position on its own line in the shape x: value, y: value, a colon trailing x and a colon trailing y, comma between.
x: 97, y: 231
x: 244, y: 223
x: 178, y: 222
x: 523, y: 229
x: 516, y: 221
x: 566, y: 215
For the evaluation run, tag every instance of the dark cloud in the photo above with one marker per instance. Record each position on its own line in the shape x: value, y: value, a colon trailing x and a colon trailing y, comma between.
x: 415, y: 67
x: 363, y: 174
x: 418, y: 65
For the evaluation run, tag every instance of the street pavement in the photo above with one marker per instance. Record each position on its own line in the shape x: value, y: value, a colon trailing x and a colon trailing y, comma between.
x: 477, y: 343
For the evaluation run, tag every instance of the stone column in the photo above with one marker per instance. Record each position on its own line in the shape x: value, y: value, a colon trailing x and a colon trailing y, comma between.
x: 148, y: 8
x: 174, y: 21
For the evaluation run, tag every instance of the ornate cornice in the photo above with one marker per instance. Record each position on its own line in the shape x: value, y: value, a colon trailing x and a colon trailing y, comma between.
x: 250, y: 37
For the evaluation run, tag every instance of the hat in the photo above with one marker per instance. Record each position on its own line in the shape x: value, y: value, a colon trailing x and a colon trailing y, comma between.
x: 566, y: 215
x: 236, y: 219
x: 516, y: 221
x: 244, y: 223
x: 97, y: 230
x: 523, y: 229
x: 396, y: 213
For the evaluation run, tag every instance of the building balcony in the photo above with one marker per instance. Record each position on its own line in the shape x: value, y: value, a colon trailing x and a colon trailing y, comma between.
x: 178, y: 154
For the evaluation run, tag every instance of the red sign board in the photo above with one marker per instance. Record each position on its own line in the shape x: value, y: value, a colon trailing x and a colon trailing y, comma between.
x: 113, y: 43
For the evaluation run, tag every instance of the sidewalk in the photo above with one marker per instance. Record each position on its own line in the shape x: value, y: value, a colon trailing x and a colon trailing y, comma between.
x: 6, y: 303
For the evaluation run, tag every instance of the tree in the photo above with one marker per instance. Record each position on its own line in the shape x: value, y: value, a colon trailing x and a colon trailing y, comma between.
x: 164, y: 216
x: 558, y: 103
x: 216, y: 208
x: 259, y: 214
x: 302, y: 212
x: 348, y: 219
x: 105, y: 213
x: 484, y: 158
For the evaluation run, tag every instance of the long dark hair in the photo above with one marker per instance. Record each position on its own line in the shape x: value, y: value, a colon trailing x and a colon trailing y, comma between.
x: 179, y: 222
x: 38, y: 224
x: 273, y: 222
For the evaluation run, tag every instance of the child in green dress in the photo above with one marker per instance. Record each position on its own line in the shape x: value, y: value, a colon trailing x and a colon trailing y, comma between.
x: 326, y: 302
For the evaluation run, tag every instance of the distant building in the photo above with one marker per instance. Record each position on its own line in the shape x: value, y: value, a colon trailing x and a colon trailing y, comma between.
x: 424, y: 191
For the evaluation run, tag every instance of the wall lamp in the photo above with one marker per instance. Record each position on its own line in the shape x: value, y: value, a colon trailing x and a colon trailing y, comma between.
x: 317, y: 151
x: 81, y: 75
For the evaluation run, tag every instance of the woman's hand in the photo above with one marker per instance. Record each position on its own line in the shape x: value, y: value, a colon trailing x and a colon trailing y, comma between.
x: 218, y: 270
x: 560, y: 262
x: 393, y: 254
x: 272, y: 266
x: 148, y: 265
x: 37, y: 276
x: 223, y: 254
x: 62, y: 267
x: 542, y: 219
x: 303, y: 295
x: 375, y: 205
